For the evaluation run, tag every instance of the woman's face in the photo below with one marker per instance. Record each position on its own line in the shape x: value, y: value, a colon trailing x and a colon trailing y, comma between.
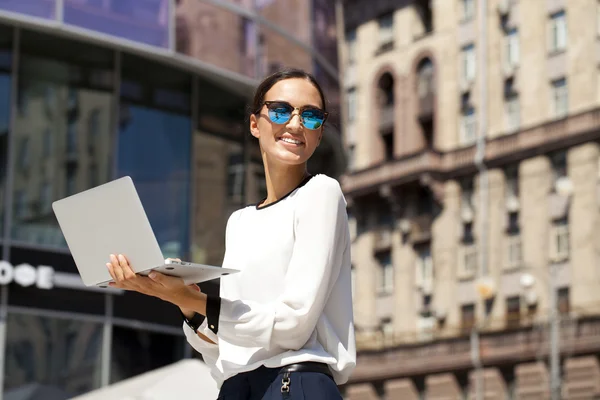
x: 290, y: 142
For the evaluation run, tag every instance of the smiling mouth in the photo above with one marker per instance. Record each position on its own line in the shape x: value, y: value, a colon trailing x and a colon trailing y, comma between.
x: 291, y: 141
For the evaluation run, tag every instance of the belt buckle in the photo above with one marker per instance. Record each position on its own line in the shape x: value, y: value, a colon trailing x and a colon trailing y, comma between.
x: 285, y: 383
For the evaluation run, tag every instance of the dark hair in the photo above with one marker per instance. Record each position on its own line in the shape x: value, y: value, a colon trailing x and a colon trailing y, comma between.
x: 288, y: 73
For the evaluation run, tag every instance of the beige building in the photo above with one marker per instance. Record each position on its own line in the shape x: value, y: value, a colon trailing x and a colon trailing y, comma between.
x: 473, y: 133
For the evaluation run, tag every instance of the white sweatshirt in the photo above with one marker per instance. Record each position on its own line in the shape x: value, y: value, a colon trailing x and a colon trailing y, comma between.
x: 292, y: 299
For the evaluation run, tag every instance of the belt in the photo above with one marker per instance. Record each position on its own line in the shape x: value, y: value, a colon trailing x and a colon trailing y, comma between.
x: 307, y: 367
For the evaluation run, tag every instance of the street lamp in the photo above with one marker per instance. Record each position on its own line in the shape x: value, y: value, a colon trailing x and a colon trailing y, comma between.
x: 527, y: 282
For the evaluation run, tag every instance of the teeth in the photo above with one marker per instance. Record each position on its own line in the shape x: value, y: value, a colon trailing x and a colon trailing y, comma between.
x: 293, y: 141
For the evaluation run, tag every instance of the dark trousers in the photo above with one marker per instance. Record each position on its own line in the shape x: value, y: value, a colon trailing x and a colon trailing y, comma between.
x: 267, y: 383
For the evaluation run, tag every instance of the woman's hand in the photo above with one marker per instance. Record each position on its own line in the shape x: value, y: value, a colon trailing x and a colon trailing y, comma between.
x: 167, y: 288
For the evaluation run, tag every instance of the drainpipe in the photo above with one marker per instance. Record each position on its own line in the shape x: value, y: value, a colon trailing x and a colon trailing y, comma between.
x: 483, y: 187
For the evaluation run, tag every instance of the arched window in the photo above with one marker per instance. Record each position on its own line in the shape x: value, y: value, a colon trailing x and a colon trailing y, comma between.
x: 425, y: 78
x: 385, y: 102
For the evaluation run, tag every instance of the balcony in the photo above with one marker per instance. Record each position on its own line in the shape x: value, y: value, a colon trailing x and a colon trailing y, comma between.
x: 386, y: 119
x: 525, y: 343
x: 400, y: 170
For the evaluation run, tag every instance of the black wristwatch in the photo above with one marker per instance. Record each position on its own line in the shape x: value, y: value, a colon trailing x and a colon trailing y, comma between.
x: 193, y: 322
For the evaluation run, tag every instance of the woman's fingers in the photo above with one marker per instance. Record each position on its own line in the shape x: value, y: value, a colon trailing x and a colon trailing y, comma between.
x: 111, y: 271
x: 127, y: 270
x: 117, y: 270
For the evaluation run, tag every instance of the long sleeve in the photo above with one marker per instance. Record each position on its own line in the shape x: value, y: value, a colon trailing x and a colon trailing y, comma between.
x: 320, y: 237
x: 208, y: 350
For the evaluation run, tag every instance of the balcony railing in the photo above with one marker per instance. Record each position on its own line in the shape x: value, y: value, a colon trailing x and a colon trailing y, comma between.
x: 405, y: 356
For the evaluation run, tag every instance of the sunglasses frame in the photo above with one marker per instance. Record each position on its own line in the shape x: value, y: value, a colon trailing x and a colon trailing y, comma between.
x: 300, y: 111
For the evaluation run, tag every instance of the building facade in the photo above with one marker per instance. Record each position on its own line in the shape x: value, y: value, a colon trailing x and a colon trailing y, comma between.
x: 91, y: 91
x: 472, y: 130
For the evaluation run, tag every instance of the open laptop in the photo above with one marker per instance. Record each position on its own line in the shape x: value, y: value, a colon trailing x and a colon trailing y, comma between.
x: 109, y: 219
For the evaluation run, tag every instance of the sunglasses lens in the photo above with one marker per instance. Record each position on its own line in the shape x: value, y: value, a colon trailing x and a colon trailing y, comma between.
x: 279, y: 113
x: 313, y: 119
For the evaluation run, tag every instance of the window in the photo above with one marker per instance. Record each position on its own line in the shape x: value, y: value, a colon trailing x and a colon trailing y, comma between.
x: 513, y: 312
x: 467, y: 317
x: 351, y: 46
x: 469, y: 64
x: 425, y: 83
x: 559, y: 241
x: 469, y: 260
x: 47, y: 143
x: 513, y: 113
x: 70, y: 182
x: 468, y: 126
x: 71, y: 138
x: 512, y: 47
x: 351, y: 104
x: 424, y: 274
x: 560, y: 98
x: 386, y: 274
x: 512, y: 182
x: 557, y: 32
x: 46, y: 198
x: 513, y: 253
x: 563, y: 303
x: 466, y: 194
x: 24, y: 153
x: 468, y: 10
x: 558, y: 162
x: 386, y: 30
x: 21, y: 206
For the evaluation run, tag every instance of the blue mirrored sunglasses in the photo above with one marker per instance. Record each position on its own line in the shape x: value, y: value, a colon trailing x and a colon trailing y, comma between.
x: 280, y: 112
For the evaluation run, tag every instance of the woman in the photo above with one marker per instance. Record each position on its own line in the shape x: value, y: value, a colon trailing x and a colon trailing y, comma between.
x: 282, y: 327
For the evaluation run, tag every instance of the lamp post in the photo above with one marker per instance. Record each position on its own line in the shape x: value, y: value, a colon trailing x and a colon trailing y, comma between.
x: 527, y: 282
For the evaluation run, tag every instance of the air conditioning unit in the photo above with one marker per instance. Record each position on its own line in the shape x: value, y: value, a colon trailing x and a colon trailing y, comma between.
x: 503, y: 7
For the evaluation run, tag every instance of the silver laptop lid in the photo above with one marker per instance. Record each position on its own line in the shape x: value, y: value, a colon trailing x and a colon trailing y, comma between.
x: 108, y: 219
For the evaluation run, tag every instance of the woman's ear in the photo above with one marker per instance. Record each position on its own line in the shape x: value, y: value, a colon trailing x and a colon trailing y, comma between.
x: 254, y: 126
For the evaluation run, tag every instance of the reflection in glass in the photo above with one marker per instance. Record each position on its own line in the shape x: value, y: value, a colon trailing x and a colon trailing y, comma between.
x: 60, y: 357
x: 154, y: 149
x: 216, y: 35
x: 54, y: 146
x: 34, y: 8
x: 219, y: 192
x: 5, y: 85
x: 145, y: 21
x: 276, y: 52
x: 137, y: 351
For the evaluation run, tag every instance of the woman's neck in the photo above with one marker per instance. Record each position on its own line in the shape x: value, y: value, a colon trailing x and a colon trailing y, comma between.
x: 281, y: 179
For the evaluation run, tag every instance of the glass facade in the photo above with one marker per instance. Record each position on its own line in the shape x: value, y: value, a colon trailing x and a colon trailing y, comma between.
x: 61, y: 357
x: 121, y: 92
x: 6, y: 61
